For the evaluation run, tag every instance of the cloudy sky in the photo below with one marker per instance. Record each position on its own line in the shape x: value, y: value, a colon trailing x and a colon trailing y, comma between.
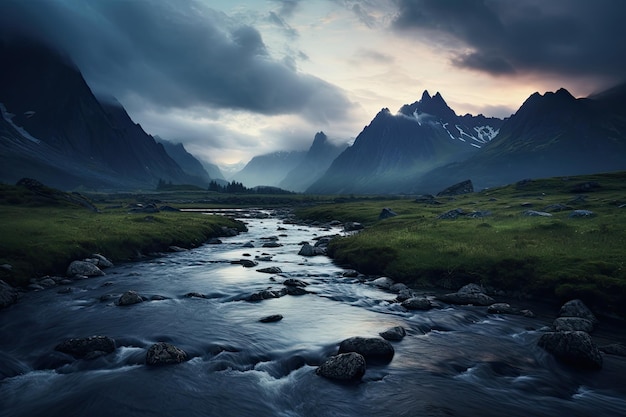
x: 232, y: 79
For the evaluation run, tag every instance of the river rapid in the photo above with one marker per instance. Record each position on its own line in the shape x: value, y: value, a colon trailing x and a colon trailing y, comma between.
x: 454, y: 360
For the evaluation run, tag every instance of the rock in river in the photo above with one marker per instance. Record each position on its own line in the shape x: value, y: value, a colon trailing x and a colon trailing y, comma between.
x: 271, y: 318
x: 128, y: 298
x: 373, y: 349
x: 417, y: 303
x: 394, y: 333
x: 343, y: 367
x: 8, y: 294
x: 82, y: 268
x: 576, y: 348
x: 164, y: 353
x: 87, y: 347
x: 469, y: 294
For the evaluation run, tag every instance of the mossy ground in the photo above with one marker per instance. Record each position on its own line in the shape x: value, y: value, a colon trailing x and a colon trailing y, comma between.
x: 42, y: 234
x: 555, y: 256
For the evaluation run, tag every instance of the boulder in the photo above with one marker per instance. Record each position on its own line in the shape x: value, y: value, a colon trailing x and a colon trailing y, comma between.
x: 564, y: 324
x: 504, y: 308
x: 291, y: 290
x: 343, y: 367
x: 271, y: 318
x: 8, y: 294
x: 272, y: 244
x: 576, y: 349
x: 129, y: 298
x: 383, y: 282
x: 267, y: 294
x: 581, y: 213
x: 195, y: 295
x: 270, y: 270
x: 373, y: 349
x: 352, y: 226
x: 417, y: 303
x: 246, y: 263
x: 535, y: 213
x: 463, y: 187
x: 426, y: 199
x: 576, y: 308
x: 102, y: 261
x: 82, y: 268
x: 87, y: 347
x: 386, y: 213
x: 309, y: 250
x: 451, y: 214
x: 214, y: 241
x: 394, y: 333
x: 164, y: 353
x: 468, y: 294
x: 293, y: 282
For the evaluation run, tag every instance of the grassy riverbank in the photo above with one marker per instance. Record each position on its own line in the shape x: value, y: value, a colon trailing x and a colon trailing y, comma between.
x: 42, y: 232
x: 557, y: 256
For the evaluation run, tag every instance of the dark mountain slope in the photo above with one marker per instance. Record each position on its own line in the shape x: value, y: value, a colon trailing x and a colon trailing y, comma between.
x: 316, y: 161
x: 390, y: 153
x: 269, y: 169
x: 84, y: 142
x: 553, y: 134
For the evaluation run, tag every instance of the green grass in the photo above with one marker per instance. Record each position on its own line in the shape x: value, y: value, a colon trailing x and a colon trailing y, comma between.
x: 554, y: 256
x: 41, y: 235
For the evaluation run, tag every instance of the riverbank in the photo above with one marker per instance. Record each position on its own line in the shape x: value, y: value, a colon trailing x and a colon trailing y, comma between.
x: 44, y: 230
x: 553, y: 239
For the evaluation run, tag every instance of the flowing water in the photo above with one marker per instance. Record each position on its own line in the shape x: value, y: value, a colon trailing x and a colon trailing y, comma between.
x: 454, y: 361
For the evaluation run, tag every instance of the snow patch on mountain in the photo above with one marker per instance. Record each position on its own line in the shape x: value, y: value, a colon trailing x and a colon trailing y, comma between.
x: 9, y: 119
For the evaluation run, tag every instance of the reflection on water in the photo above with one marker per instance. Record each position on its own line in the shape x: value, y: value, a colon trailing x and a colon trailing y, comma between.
x: 454, y: 361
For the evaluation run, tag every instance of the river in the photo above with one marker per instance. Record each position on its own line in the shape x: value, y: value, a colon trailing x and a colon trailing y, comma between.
x: 454, y: 361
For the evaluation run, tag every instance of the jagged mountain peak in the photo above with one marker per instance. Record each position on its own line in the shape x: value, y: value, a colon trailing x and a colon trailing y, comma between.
x: 435, y: 106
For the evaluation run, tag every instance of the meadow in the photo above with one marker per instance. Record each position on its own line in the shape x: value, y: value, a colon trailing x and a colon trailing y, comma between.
x: 495, y: 243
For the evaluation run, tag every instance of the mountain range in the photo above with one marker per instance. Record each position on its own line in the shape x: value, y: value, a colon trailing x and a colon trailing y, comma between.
x: 53, y: 128
x: 395, y: 149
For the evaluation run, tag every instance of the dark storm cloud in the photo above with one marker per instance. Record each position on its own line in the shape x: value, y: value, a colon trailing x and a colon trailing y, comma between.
x: 173, y: 54
x: 572, y: 37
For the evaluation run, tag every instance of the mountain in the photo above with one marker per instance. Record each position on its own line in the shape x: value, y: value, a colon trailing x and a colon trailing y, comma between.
x: 190, y: 165
x: 316, y: 161
x: 54, y: 129
x: 394, y: 149
x: 553, y: 134
x: 268, y: 169
x: 213, y: 170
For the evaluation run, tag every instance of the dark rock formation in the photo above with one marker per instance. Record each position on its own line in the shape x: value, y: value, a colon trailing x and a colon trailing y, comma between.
x: 463, y: 187
x: 309, y: 250
x: 82, y: 268
x: 352, y: 226
x: 386, y: 213
x: 576, y: 308
x: 373, y: 349
x: 129, y: 298
x: 581, y: 214
x: 576, y: 349
x: 469, y: 294
x: 417, y: 303
x: 87, y: 347
x: 164, y: 353
x: 8, y: 294
x: 271, y: 318
x: 343, y: 367
x: 270, y: 270
x: 246, y: 263
x: 394, y: 333
x: 564, y: 324
x: 504, y: 308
